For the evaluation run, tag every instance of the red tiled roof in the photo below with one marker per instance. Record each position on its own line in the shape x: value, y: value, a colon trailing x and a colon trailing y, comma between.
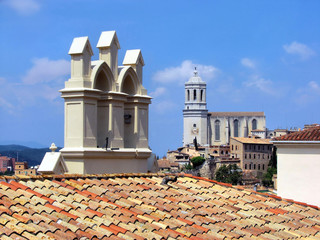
x: 165, y: 163
x: 311, y: 134
x: 137, y: 206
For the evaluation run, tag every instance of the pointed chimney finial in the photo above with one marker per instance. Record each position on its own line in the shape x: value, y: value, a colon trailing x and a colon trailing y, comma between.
x: 53, y: 147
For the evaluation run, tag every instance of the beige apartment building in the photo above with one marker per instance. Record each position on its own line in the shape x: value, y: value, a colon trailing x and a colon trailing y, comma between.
x: 254, y: 154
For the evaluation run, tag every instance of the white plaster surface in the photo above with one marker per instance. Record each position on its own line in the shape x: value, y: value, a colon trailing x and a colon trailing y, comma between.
x: 298, y: 172
x: 132, y: 57
x: 50, y: 163
x: 106, y: 39
x: 78, y: 45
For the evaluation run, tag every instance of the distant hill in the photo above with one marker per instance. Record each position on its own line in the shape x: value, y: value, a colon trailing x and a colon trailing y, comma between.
x: 33, y: 156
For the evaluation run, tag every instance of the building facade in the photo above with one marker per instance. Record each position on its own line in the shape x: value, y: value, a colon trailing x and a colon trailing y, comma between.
x: 298, y: 165
x: 254, y: 154
x: 214, y: 128
x: 7, y: 163
x: 22, y: 169
x: 106, y: 110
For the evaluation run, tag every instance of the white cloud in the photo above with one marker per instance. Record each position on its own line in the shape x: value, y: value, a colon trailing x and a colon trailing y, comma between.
x: 158, y: 92
x: 314, y: 86
x: 308, y: 94
x: 2, y: 80
x: 6, y: 105
x: 302, y: 50
x: 260, y: 83
x: 182, y: 73
x: 164, y: 107
x: 45, y: 70
x: 24, y: 7
x: 41, y: 83
x: 247, y: 63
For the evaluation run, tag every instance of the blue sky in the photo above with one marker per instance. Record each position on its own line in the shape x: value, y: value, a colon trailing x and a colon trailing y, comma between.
x: 254, y: 56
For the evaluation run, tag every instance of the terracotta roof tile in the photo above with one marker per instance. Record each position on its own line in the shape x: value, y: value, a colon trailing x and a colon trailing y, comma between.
x: 138, y: 206
x: 311, y: 134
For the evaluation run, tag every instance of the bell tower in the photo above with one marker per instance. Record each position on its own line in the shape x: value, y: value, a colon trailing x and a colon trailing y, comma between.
x: 195, y: 111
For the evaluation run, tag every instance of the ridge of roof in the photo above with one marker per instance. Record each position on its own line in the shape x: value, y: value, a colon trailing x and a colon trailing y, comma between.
x: 236, y: 114
x: 252, y: 140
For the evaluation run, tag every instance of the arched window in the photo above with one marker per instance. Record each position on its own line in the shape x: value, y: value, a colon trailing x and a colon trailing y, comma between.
x: 236, y: 128
x: 194, y: 94
x: 254, y: 124
x: 217, y: 130
x: 188, y: 95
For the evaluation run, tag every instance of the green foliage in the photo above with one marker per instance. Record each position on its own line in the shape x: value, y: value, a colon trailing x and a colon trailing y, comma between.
x: 267, y: 177
x: 273, y: 160
x: 229, y: 174
x: 33, y: 156
x: 7, y: 173
x: 197, y: 161
x: 188, y: 166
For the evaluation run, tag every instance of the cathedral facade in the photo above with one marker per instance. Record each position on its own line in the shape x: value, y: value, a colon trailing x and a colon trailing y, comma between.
x: 214, y: 128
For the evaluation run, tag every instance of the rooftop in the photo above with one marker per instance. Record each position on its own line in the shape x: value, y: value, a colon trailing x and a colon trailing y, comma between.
x: 236, y: 114
x: 252, y: 140
x: 310, y: 134
x: 138, y: 206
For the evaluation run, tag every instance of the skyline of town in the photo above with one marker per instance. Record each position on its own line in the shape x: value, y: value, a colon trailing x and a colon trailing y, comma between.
x: 252, y: 56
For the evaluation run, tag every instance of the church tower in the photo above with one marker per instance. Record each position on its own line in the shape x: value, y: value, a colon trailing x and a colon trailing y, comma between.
x: 195, y: 113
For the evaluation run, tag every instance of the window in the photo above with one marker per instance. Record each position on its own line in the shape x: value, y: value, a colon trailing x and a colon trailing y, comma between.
x: 249, y: 155
x: 221, y: 152
x: 258, y: 166
x: 194, y: 94
x: 236, y: 128
x: 262, y: 166
x: 250, y: 166
x: 254, y: 124
x: 236, y: 147
x: 258, y: 147
x: 262, y: 156
x: 245, y: 166
x: 217, y: 130
x: 232, y: 147
x: 254, y: 156
x: 258, y: 156
x: 245, y: 156
x: 254, y: 166
x: 188, y: 95
x: 194, y: 125
x: 201, y: 95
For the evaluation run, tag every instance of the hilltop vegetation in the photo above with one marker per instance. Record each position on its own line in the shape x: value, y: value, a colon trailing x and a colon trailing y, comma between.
x: 33, y: 156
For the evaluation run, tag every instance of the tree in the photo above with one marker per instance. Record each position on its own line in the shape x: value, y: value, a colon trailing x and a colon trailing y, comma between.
x: 272, y: 169
x: 267, y: 177
x: 229, y: 174
x: 197, y: 161
x: 273, y: 160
